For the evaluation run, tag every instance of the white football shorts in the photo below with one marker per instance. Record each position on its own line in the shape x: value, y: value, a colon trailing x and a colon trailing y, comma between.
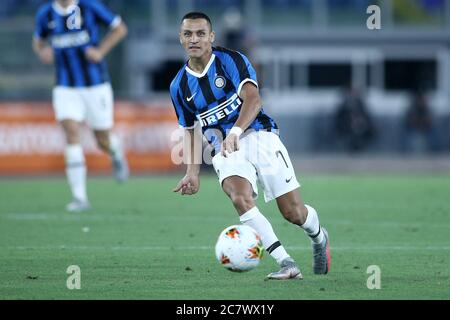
x: 262, y: 158
x: 93, y: 105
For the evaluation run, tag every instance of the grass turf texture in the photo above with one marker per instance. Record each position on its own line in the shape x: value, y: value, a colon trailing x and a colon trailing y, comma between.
x: 141, y: 241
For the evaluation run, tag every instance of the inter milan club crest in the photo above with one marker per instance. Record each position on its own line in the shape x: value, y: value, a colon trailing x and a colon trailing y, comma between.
x: 220, y: 82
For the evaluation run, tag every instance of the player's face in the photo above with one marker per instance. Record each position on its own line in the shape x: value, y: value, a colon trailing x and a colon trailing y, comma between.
x: 196, y: 37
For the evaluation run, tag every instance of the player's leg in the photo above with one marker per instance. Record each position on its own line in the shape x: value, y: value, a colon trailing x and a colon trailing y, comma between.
x: 110, y: 144
x: 277, y: 175
x: 75, y: 166
x: 295, y: 211
x: 240, y: 191
x: 100, y: 116
x: 69, y: 110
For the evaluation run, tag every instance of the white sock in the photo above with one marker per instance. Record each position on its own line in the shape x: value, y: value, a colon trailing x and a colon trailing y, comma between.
x: 312, y: 226
x: 76, y: 171
x: 257, y: 221
x: 115, y: 148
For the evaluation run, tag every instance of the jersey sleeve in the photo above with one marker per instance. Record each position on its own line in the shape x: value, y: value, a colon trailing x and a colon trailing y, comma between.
x: 41, y: 30
x: 240, y: 69
x: 186, y: 118
x: 104, y: 14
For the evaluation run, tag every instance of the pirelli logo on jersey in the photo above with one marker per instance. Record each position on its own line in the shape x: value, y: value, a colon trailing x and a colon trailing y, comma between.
x: 221, y: 111
x: 72, y: 39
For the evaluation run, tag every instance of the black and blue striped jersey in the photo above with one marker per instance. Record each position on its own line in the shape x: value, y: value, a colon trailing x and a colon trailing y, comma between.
x: 212, y: 98
x: 70, y: 31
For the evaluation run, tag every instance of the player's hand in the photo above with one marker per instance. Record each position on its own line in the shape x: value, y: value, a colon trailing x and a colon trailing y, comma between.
x: 94, y: 55
x: 230, y: 144
x: 46, y: 55
x: 189, y: 185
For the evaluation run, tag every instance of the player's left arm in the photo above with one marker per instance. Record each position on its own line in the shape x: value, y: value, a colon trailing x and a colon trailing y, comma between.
x: 115, y: 35
x: 251, y: 106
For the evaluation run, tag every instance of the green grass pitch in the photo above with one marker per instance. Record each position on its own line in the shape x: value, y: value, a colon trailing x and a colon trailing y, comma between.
x: 141, y: 241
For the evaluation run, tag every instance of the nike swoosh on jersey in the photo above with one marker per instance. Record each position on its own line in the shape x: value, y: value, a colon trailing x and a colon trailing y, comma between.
x: 191, y: 97
x: 288, y: 180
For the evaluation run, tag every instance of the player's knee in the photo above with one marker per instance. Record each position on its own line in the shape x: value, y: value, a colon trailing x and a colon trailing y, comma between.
x: 295, y: 213
x: 72, y: 136
x: 242, y: 202
x: 103, y: 143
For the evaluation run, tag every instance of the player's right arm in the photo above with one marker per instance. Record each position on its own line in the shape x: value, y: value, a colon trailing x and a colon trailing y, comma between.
x: 43, y: 50
x: 192, y: 142
x: 190, y: 183
x: 40, y: 44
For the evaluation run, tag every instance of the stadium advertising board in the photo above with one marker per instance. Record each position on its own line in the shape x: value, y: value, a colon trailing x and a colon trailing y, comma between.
x: 31, y: 141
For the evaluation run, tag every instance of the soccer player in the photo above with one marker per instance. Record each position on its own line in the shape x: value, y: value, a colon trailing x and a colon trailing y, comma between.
x: 217, y: 89
x: 67, y: 34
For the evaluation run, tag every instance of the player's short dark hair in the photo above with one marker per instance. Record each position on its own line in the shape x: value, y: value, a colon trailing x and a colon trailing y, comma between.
x: 197, y: 15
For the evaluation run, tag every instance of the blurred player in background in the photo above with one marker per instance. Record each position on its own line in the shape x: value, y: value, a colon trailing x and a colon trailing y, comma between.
x: 67, y: 34
x: 217, y: 89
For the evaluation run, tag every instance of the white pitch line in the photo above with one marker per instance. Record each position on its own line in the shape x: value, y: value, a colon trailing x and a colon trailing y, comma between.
x: 120, y: 218
x: 63, y: 216
x: 169, y: 248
